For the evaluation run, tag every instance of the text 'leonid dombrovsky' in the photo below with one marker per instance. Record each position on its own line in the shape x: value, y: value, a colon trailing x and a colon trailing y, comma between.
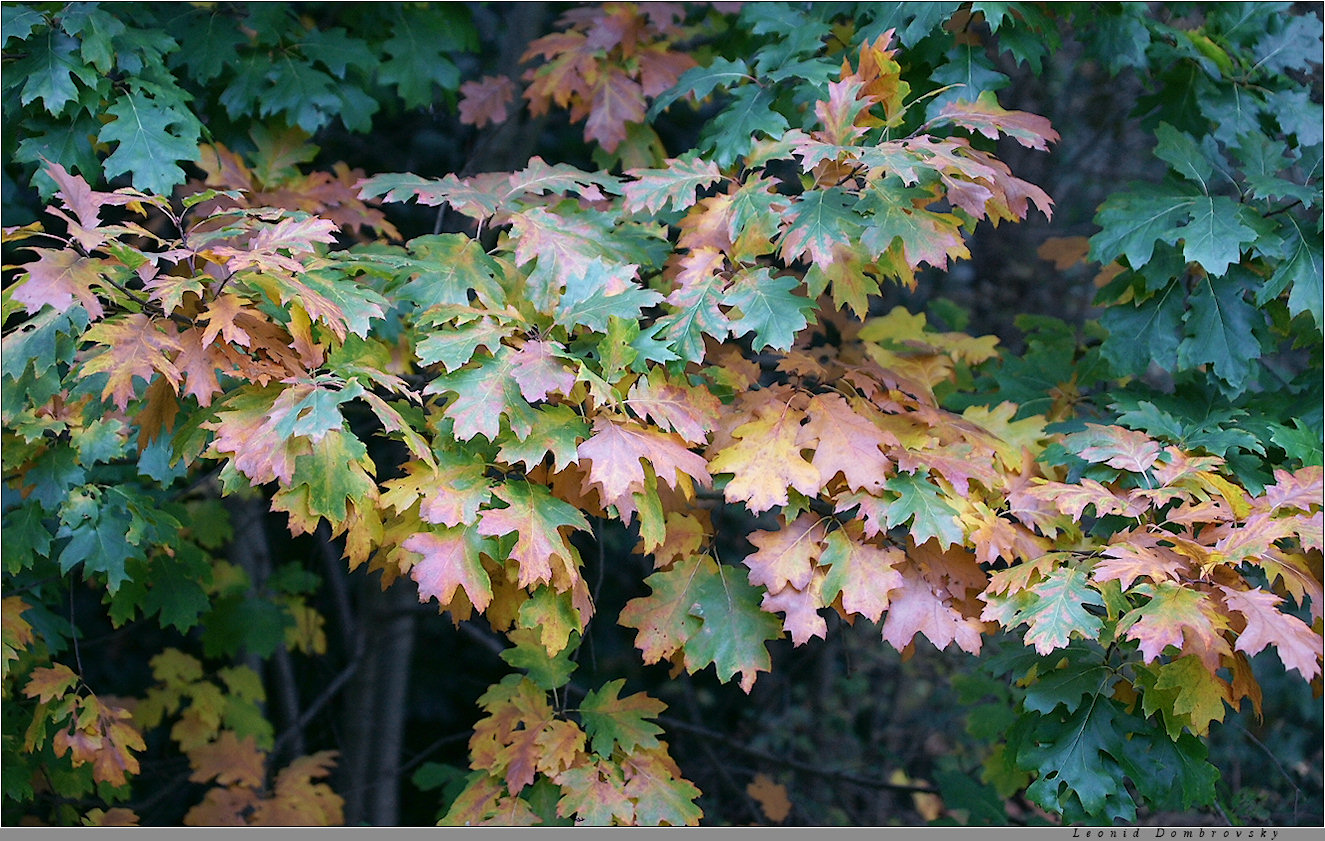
x: 1165, y: 832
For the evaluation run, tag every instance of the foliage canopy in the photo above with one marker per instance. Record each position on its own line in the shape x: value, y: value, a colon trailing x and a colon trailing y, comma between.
x: 677, y: 326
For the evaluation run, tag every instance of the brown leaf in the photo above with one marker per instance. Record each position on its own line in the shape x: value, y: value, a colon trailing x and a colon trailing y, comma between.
x: 771, y: 797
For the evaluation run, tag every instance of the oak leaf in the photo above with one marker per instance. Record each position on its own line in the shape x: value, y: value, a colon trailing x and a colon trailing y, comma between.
x: 58, y: 277
x: 616, y: 449
x: 689, y: 412
x: 537, y: 518
x: 861, y: 574
x: 450, y: 560
x: 917, y: 607
x: 786, y: 556
x: 1298, y: 646
x: 486, y: 100
x: 136, y: 347
x: 846, y: 441
x: 800, y: 607
x: 613, y: 722
x: 595, y: 794
x: 1180, y: 617
x: 230, y: 761
x: 765, y: 460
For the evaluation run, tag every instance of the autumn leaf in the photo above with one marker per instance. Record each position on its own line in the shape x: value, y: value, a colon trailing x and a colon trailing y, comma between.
x: 987, y: 117
x: 800, y: 609
x: 662, y: 796
x: 613, y: 722
x: 765, y: 460
x: 486, y: 100
x: 1298, y: 646
x: 688, y: 411
x: 1180, y: 617
x: 595, y: 794
x: 771, y: 797
x: 450, y: 560
x: 846, y: 442
x: 135, y: 347
x: 861, y: 574
x: 674, y: 184
x: 786, y: 556
x: 1114, y: 446
x: 537, y: 517
x: 916, y: 607
x: 46, y: 683
x: 58, y: 277
x: 615, y: 451
x: 230, y: 761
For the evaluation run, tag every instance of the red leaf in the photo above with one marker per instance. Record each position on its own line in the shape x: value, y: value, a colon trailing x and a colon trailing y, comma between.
x: 617, y: 100
x: 486, y: 100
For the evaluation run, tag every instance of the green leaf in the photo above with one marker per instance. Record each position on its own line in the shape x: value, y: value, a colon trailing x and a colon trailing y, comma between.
x: 1220, y: 332
x: 553, y: 429
x: 19, y: 22
x: 1068, y: 677
x: 330, y: 475
x: 1146, y: 332
x: 1218, y: 229
x: 418, y: 48
x: 484, y: 395
x: 1134, y: 219
x: 446, y: 268
x: 1076, y: 756
x: 1193, y: 161
x: 768, y: 308
x: 699, y: 82
x: 51, y: 68
x: 453, y: 345
x: 734, y: 627
x: 750, y: 113
x: 818, y: 221
x: 922, y: 504
x: 209, y: 44
x: 695, y: 316
x: 615, y: 722
x: 150, y: 137
x: 547, y: 671
x: 304, y: 95
x: 97, y: 535
x: 1057, y: 610
x: 591, y: 298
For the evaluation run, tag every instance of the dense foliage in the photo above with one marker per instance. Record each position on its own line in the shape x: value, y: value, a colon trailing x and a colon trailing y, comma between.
x: 653, y: 387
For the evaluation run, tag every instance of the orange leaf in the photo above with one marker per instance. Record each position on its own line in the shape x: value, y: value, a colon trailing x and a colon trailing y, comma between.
x: 917, y: 607
x: 846, y: 442
x: 50, y: 682
x: 615, y: 450
x: 229, y: 761
x: 771, y: 797
x: 136, y: 346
